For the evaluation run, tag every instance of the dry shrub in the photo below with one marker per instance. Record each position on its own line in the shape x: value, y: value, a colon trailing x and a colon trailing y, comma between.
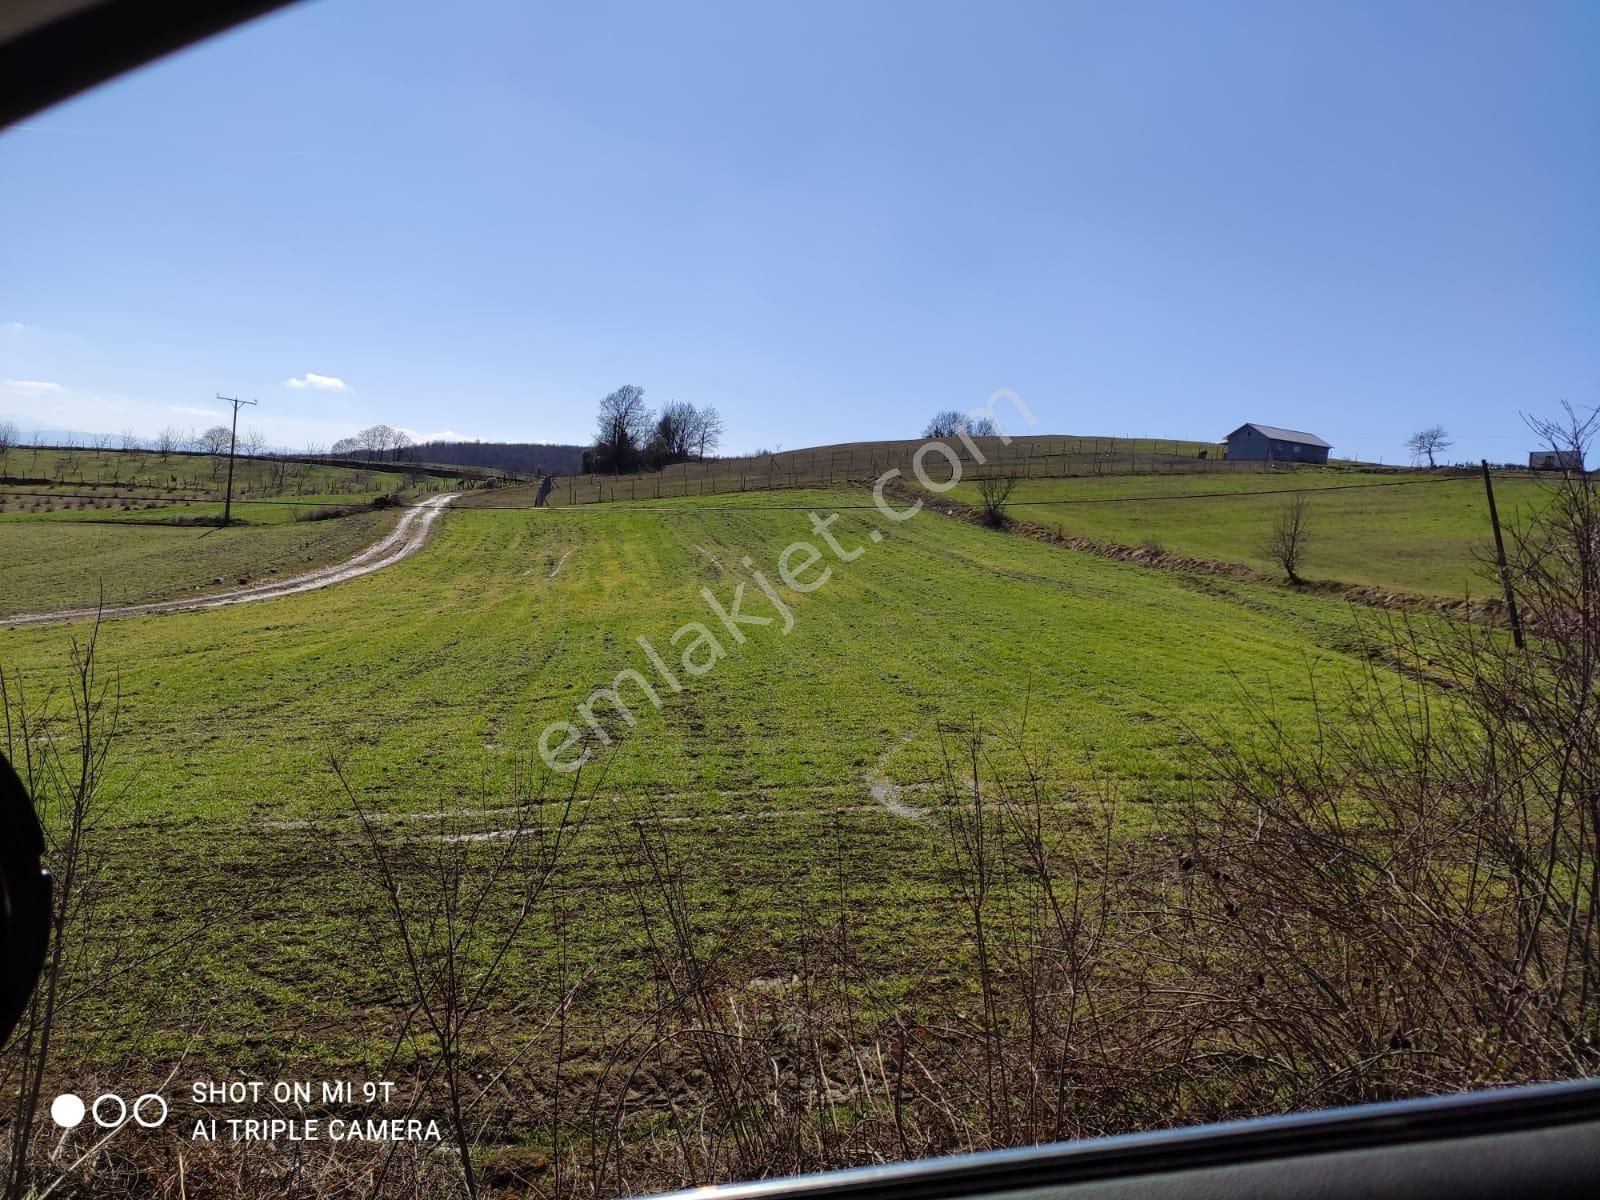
x: 1410, y: 904
x: 994, y: 493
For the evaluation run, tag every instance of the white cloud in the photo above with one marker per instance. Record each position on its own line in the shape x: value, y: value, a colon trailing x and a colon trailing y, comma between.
x: 194, y: 412
x: 322, y: 383
x: 30, y: 385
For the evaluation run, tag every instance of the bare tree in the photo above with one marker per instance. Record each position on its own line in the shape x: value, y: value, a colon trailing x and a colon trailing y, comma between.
x: 624, y: 427
x: 100, y: 441
x: 1291, y: 534
x: 708, y: 431
x: 8, y: 435
x: 947, y: 423
x: 995, y: 493
x: 128, y: 439
x: 375, y: 440
x: 400, y: 443
x: 254, y: 442
x: 315, y: 449
x: 215, y: 440
x: 675, y: 432
x: 1430, y: 441
x: 167, y: 441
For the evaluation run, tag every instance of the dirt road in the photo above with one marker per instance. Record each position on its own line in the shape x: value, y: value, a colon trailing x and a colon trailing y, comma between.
x: 405, y: 538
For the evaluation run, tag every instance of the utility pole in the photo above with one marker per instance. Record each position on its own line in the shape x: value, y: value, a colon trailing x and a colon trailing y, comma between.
x: 1500, y: 558
x: 233, y: 440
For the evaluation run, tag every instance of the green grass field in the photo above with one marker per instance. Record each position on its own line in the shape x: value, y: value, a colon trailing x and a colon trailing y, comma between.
x: 1413, y: 532
x: 110, y: 524
x: 433, y: 678
x: 61, y: 562
x: 201, y: 476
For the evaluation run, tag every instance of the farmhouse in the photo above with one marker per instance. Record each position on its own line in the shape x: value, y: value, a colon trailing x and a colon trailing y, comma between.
x: 1555, y: 460
x: 1268, y: 443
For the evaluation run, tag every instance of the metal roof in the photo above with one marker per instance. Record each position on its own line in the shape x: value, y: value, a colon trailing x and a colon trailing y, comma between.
x: 1283, y: 435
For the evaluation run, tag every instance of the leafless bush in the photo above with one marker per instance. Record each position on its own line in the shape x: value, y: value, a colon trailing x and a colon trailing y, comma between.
x: 328, y: 512
x: 751, y: 1115
x: 1410, y: 903
x: 455, y: 898
x: 1058, y: 1043
x: 61, y: 751
x: 61, y: 743
x: 1290, y: 536
x: 1044, y: 1035
x: 994, y: 492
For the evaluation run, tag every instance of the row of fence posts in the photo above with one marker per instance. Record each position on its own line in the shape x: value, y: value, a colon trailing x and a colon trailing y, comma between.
x: 1101, y: 456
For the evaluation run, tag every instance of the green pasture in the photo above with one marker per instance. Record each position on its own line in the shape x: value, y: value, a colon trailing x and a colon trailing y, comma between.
x: 62, y: 562
x: 1416, y: 532
x: 433, y: 679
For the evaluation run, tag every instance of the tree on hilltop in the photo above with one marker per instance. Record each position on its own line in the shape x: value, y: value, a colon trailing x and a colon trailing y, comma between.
x: 1430, y: 441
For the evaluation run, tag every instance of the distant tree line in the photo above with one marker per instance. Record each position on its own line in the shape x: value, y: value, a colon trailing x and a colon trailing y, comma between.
x: 528, y: 458
x: 632, y: 437
x: 948, y: 423
x: 375, y: 442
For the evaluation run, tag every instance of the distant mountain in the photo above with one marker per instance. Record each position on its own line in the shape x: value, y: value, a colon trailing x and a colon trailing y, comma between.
x: 526, y: 457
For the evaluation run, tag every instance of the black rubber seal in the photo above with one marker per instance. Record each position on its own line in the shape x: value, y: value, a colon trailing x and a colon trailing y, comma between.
x: 24, y: 899
x: 46, y: 65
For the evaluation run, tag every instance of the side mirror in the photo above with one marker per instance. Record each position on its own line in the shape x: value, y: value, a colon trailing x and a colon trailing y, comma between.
x: 24, y: 900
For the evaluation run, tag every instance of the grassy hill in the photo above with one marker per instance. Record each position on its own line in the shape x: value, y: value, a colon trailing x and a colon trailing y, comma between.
x: 1422, y: 532
x: 827, y: 466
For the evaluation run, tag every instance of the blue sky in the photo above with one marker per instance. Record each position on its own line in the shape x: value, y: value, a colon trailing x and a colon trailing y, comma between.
x: 826, y: 219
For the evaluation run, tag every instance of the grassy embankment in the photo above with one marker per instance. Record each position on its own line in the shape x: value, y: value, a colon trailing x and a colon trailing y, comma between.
x: 1420, y: 533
